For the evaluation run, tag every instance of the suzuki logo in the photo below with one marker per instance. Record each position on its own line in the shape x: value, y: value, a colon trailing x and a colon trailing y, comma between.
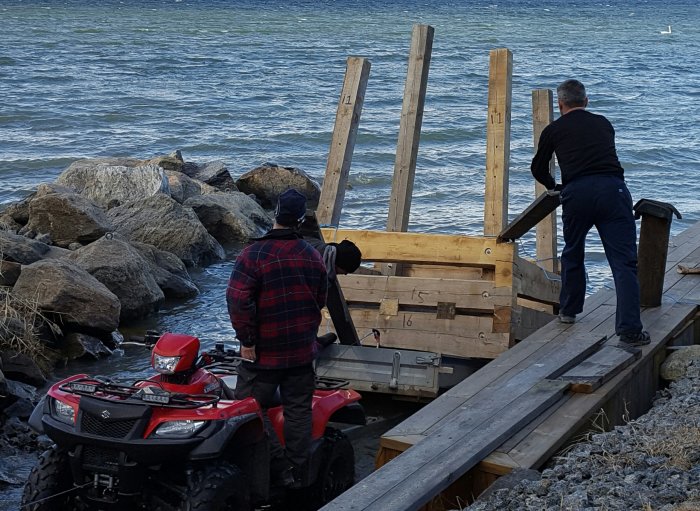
x: 105, y: 414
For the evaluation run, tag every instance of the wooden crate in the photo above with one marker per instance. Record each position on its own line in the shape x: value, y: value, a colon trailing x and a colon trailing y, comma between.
x: 462, y: 296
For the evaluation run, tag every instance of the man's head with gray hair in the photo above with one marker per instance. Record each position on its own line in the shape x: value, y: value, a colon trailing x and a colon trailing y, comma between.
x: 572, y: 94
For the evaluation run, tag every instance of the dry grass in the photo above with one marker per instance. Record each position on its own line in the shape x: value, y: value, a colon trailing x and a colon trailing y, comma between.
x: 20, y: 324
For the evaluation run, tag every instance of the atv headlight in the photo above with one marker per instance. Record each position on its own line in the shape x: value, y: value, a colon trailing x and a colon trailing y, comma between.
x: 62, y: 412
x: 178, y: 429
x: 165, y: 365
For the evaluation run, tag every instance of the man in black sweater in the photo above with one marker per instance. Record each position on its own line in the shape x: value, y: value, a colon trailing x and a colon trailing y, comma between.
x: 593, y: 193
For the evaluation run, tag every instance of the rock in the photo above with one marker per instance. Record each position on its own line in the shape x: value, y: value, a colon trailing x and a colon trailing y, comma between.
x: 19, y: 249
x: 115, y: 181
x: 169, y: 271
x: 22, y: 409
x: 121, y: 268
x: 230, y: 216
x: 269, y: 180
x: 17, y: 213
x: 212, y: 173
x: 67, y: 218
x: 677, y: 363
x: 160, y: 221
x: 510, y: 481
x: 182, y: 187
x: 63, y: 288
x: 75, y: 246
x: 173, y: 161
x: 9, y: 272
x: 22, y: 368
x: 21, y: 390
x: 77, y: 345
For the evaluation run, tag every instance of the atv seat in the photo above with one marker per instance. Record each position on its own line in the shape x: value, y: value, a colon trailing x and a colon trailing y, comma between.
x: 228, y: 384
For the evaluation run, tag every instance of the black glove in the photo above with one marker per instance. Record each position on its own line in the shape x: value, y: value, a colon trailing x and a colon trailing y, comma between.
x: 558, y: 188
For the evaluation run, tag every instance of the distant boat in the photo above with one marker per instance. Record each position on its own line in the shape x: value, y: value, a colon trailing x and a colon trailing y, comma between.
x: 667, y: 31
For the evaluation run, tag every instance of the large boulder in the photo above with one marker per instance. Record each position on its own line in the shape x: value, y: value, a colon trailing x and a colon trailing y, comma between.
x: 115, y: 181
x: 20, y: 249
x: 230, y: 216
x: 121, y: 268
x: 67, y: 218
x: 169, y: 271
x: 677, y: 363
x: 76, y: 298
x: 182, y: 187
x: 160, y: 221
x: 173, y: 161
x: 78, y: 345
x: 15, y: 215
x: 213, y: 173
x: 21, y: 367
x: 269, y: 180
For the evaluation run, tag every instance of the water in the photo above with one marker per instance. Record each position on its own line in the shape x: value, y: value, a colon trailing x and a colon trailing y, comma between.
x: 249, y: 82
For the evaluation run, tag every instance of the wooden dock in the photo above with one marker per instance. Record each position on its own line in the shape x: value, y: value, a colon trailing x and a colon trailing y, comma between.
x: 521, y: 408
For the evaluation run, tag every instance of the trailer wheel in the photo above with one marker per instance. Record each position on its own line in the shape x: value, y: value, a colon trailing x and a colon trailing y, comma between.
x: 48, y: 480
x: 219, y: 486
x: 337, y: 472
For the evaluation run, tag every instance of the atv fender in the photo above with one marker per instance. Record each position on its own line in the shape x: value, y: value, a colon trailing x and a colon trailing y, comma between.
x: 40, y: 409
x: 241, y: 430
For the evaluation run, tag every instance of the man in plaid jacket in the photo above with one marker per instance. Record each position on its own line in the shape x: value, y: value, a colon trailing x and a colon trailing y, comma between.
x: 275, y: 295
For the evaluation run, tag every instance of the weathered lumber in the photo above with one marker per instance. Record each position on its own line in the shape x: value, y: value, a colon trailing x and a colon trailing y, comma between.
x: 410, y: 127
x: 409, y: 247
x: 540, y: 208
x: 472, y: 295
x: 498, y: 141
x: 546, y: 241
x: 599, y: 368
x: 415, y: 477
x: 347, y: 120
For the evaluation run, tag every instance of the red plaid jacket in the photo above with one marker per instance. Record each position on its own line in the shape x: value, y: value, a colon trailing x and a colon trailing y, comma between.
x: 275, y: 295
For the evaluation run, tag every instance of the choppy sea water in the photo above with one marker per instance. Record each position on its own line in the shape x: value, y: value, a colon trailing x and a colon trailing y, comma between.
x: 253, y: 81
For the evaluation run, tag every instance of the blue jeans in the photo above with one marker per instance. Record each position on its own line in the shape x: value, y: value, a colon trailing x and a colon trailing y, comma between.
x: 605, y: 202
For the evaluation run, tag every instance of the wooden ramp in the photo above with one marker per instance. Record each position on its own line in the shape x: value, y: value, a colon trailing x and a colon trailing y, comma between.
x: 520, y: 409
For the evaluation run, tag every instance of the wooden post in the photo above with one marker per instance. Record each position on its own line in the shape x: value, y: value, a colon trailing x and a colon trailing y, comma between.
x: 498, y: 141
x: 546, y: 242
x: 409, y: 132
x: 347, y: 120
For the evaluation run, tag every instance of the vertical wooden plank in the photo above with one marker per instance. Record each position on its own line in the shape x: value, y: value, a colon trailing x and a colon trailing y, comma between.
x: 347, y: 120
x: 546, y: 243
x: 498, y: 141
x: 409, y: 132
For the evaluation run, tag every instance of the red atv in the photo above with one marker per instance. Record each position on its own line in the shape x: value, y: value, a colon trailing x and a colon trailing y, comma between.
x: 179, y: 440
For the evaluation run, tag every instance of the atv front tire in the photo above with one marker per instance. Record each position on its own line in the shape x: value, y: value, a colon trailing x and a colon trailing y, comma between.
x: 219, y: 486
x: 48, y: 480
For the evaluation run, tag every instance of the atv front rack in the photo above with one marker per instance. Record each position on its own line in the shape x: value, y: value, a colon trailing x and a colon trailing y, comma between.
x: 152, y: 394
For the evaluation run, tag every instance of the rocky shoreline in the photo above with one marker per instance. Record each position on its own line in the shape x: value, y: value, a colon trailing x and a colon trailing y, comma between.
x: 651, y: 463
x: 105, y: 244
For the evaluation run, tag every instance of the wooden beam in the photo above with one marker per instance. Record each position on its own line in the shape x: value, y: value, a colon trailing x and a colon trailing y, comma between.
x: 498, y: 141
x: 474, y: 295
x: 347, y: 120
x: 546, y: 242
x: 409, y: 132
x: 532, y: 282
x: 408, y: 247
x: 464, y: 336
x: 599, y: 368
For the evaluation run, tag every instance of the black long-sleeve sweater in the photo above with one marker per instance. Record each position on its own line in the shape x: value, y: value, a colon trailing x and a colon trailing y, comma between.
x: 584, y: 144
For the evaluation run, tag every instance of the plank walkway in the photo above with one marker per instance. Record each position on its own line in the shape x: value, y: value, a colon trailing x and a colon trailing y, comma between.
x: 520, y: 409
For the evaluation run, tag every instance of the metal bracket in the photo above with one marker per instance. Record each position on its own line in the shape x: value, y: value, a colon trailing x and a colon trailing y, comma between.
x: 446, y: 310
x: 433, y: 360
x: 395, y: 366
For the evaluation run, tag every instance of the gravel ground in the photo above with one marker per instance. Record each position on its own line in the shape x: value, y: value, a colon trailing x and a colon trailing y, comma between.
x: 649, y: 464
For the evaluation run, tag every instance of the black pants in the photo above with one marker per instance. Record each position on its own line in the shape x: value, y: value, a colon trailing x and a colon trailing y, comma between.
x: 296, y: 388
x: 602, y: 201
